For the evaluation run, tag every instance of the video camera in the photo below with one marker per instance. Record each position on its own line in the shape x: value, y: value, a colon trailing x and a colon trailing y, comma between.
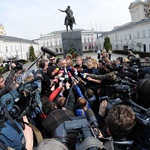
x: 18, y: 63
x: 82, y: 128
x: 23, y: 100
x: 142, y: 114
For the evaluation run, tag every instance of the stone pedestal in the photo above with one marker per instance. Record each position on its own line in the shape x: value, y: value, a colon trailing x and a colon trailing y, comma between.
x: 72, y: 40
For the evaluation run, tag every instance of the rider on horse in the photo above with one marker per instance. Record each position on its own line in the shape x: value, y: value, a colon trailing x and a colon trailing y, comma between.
x: 69, y: 15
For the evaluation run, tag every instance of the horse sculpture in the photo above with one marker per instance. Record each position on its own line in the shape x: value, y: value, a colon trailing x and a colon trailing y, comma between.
x: 69, y: 23
x: 69, y: 19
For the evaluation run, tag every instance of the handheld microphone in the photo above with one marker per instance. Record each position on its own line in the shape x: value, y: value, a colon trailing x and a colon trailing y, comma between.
x: 91, y: 117
x: 71, y: 76
x: 48, y: 51
x: 55, y: 70
x: 60, y: 71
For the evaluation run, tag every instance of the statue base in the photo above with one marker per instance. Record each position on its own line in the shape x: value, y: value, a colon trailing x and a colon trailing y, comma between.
x: 72, y: 40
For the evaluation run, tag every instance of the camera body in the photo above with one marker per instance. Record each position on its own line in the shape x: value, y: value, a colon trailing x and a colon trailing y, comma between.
x: 80, y: 127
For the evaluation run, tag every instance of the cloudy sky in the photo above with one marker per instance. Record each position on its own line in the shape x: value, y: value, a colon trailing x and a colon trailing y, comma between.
x: 31, y: 18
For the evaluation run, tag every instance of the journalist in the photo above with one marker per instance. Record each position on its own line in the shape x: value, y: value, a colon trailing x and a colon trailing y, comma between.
x: 141, y: 132
x: 8, y: 84
x: 118, y: 122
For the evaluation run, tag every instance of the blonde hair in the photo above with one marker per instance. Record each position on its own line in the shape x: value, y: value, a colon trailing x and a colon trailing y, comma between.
x: 89, y: 61
x: 95, y: 63
x: 79, y: 57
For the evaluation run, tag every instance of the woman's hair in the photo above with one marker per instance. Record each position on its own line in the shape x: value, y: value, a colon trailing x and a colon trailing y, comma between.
x: 51, y: 144
x: 81, y: 102
x: 79, y: 57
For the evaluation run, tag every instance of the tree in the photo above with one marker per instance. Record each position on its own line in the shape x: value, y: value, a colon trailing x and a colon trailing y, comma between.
x: 32, y: 56
x: 107, y: 44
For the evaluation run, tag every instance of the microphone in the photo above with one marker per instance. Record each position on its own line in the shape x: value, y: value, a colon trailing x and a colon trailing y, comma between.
x: 134, y: 70
x: 55, y: 70
x: 71, y: 76
x: 121, y: 75
x: 48, y: 51
x: 125, y: 77
x: 60, y: 71
x: 91, y: 117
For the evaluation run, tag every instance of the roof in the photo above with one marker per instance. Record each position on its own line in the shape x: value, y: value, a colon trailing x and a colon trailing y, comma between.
x: 15, y: 39
x: 130, y: 25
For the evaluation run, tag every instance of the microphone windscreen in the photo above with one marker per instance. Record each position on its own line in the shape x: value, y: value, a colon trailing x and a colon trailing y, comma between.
x: 48, y: 51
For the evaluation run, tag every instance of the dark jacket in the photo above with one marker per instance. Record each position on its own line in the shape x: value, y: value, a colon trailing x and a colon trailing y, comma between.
x: 54, y: 119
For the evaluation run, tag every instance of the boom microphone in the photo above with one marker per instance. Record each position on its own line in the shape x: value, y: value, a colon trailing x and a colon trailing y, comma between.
x: 125, y: 77
x: 91, y: 117
x: 48, y: 51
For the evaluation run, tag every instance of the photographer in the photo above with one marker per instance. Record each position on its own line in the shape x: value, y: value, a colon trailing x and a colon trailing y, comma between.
x: 54, y: 118
x: 118, y: 123
x: 141, y: 132
x: 42, y: 71
x: 8, y: 84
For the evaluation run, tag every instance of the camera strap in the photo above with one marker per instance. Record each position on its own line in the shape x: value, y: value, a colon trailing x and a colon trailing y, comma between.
x: 91, y: 142
x: 11, y: 120
x: 37, y: 133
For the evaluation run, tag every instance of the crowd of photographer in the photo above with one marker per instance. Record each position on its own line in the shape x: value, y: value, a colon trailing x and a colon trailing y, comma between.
x: 87, y: 104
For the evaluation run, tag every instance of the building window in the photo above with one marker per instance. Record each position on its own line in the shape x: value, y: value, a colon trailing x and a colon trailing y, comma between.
x: 130, y: 36
x: 60, y: 50
x: 6, y: 49
x: 138, y: 34
x: 56, y: 50
x: 143, y: 33
x: 125, y: 37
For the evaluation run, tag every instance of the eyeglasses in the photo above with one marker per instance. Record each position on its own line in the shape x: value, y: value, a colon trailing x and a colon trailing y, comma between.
x: 2, y: 81
x: 52, y: 59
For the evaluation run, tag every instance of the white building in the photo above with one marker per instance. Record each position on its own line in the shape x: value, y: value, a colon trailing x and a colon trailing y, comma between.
x: 53, y: 40
x: 13, y: 47
x: 134, y: 35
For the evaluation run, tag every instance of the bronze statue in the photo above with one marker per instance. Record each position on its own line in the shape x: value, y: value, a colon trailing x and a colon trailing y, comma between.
x: 69, y: 19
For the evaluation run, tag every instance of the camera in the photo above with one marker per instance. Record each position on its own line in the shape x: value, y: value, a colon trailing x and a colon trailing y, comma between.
x: 82, y: 128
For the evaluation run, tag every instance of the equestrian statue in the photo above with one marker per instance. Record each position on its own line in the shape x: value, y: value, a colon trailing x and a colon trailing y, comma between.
x: 69, y: 19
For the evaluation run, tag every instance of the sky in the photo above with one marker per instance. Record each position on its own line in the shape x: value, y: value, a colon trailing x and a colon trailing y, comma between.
x: 30, y: 18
